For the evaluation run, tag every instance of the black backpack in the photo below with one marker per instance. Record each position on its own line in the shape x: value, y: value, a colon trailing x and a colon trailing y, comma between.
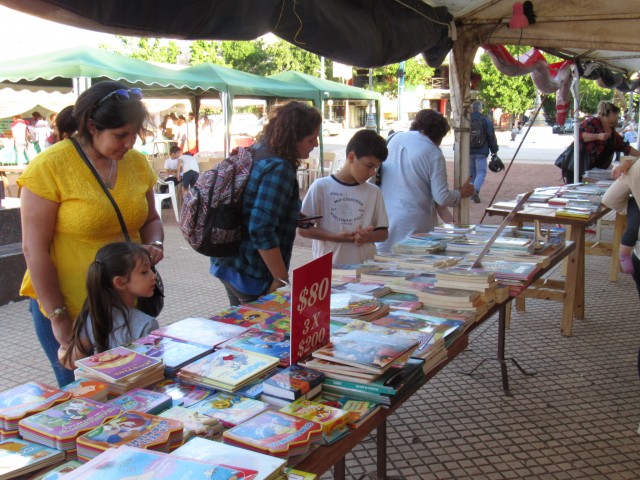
x: 478, y: 133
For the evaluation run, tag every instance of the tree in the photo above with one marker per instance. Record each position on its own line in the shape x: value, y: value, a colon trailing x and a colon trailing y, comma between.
x: 416, y: 72
x: 148, y: 49
x: 512, y: 94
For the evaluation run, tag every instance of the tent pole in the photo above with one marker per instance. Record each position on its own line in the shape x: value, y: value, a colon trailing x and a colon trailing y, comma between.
x: 575, y: 91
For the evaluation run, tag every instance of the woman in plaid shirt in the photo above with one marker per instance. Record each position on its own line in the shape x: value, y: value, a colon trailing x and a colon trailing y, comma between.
x: 271, y: 205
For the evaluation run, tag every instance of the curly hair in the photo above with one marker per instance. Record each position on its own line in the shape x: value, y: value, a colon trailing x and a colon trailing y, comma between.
x: 289, y: 124
x: 432, y: 124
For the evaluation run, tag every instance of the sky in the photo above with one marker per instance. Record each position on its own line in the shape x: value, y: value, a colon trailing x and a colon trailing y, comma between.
x: 26, y: 35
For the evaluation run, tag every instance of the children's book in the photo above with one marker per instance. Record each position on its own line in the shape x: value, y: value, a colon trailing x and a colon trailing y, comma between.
x: 349, y: 304
x: 274, y: 343
x: 274, y: 302
x: 117, y: 364
x: 200, y: 330
x: 136, y: 429
x: 59, y: 426
x: 249, y: 317
x: 194, y: 423
x: 217, y: 453
x: 93, y: 389
x: 230, y: 409
x: 293, y: 382
x: 336, y: 370
x: 332, y: 419
x: 18, y: 457
x: 360, y: 410
x: 294, y: 474
x: 181, y: 394
x: 173, y: 353
x: 374, y: 289
x: 227, y: 369
x: 142, y: 400
x: 127, y: 462
x: 27, y: 399
x: 276, y: 434
x: 58, y: 471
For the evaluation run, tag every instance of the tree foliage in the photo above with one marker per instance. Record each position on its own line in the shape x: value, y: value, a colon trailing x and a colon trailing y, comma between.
x: 416, y: 72
x: 148, y: 49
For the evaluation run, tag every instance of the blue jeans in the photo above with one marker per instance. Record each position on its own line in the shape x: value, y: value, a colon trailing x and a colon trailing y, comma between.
x: 50, y: 345
x: 236, y: 297
x: 478, y: 170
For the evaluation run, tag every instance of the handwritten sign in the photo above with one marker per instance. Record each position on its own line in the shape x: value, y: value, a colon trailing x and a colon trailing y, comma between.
x: 310, y: 305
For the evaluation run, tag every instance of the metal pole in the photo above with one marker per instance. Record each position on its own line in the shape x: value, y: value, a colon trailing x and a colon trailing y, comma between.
x: 575, y: 90
x: 371, y: 118
x: 400, y: 92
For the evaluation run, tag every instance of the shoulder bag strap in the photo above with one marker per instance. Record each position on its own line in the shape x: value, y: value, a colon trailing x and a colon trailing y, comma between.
x: 83, y: 155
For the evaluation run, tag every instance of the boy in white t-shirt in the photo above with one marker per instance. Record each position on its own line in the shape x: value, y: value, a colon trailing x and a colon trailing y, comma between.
x: 352, y: 209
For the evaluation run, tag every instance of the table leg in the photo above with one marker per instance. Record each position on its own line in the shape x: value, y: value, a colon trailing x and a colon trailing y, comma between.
x: 339, y: 470
x: 619, y: 226
x: 578, y: 310
x: 570, y: 285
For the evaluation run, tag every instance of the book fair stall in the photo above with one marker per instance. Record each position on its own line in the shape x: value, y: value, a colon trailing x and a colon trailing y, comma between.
x: 286, y: 386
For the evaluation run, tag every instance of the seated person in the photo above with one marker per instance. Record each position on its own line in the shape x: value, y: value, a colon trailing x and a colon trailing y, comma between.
x: 170, y: 171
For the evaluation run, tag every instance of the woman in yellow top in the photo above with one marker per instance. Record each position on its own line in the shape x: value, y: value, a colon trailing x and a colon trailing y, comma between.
x: 67, y: 217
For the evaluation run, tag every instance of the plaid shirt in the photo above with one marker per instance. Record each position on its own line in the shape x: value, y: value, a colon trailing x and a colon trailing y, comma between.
x: 600, y: 153
x: 271, y: 204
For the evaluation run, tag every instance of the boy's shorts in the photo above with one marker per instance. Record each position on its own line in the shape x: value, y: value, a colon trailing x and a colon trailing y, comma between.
x: 189, y: 179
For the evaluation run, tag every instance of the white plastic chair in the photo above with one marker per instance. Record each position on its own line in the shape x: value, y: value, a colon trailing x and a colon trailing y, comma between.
x: 159, y: 197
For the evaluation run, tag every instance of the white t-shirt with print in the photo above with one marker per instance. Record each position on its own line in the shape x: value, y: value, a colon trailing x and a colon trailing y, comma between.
x: 343, y: 207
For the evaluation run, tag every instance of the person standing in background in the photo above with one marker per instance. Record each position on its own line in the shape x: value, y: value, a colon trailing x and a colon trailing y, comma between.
x: 483, y: 140
x: 19, y: 134
x: 414, y: 179
x: 42, y: 131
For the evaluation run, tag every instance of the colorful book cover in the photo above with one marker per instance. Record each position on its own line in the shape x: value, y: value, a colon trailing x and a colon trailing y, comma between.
x: 360, y: 410
x: 201, y: 331
x: 293, y: 382
x: 69, y: 419
x: 173, y: 353
x: 274, y: 302
x: 127, y: 462
x: 86, y: 388
x: 59, y: 471
x: 142, y: 400
x: 19, y: 456
x: 181, y: 394
x: 231, y: 456
x: 230, y: 409
x: 294, y: 474
x: 275, y: 433
x: 31, y: 397
x: 268, y: 342
x: 226, y: 367
x: 248, y: 317
x: 332, y: 419
x: 352, y: 304
x: 194, y: 422
x: 136, y: 429
x: 117, y: 364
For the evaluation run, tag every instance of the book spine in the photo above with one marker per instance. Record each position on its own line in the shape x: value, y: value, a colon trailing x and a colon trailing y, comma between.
x: 362, y: 387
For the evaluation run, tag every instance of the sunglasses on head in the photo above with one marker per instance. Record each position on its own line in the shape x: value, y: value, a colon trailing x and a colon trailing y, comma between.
x: 123, y: 95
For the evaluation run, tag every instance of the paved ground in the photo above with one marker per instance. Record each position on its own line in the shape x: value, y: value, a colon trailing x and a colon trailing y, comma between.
x: 575, y: 419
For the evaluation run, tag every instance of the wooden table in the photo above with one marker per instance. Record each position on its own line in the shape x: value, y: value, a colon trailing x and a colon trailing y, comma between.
x: 324, y: 458
x: 4, y: 169
x: 571, y: 290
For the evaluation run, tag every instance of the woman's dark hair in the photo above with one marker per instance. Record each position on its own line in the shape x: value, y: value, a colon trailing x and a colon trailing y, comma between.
x: 108, y: 112
x: 66, y: 123
x: 367, y: 143
x: 113, y: 260
x: 432, y: 124
x: 288, y: 124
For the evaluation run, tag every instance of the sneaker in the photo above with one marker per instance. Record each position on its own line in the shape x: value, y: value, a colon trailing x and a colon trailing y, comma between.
x: 476, y: 198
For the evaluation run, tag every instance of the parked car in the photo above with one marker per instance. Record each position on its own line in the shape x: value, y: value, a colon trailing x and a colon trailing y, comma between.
x: 331, y: 127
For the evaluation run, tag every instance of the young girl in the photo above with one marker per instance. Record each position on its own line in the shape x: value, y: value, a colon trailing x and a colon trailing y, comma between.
x: 120, y: 273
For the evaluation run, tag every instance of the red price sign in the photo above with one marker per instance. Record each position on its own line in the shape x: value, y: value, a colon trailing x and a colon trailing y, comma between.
x: 310, y: 305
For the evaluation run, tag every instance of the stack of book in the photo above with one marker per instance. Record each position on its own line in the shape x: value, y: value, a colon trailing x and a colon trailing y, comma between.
x: 290, y: 384
x: 130, y: 462
x: 389, y: 274
x: 25, y: 400
x: 120, y: 368
x: 276, y: 434
x: 401, y: 301
x: 85, y: 388
x: 278, y: 301
x: 275, y: 343
x: 420, y: 246
x: 136, y: 429
x: 334, y: 421
x: 267, y: 467
x: 373, y: 289
x: 231, y: 410
x: 350, y: 272
x: 19, y: 457
x: 194, y: 424
x: 202, y: 331
x: 174, y: 354
x: 360, y: 410
x: 60, y: 426
x: 227, y: 370
x: 142, y: 400
x: 352, y: 305
x: 445, y: 297
x: 58, y: 471
x: 426, y: 262
x: 476, y: 279
x: 181, y: 395
x: 387, y: 390
x: 244, y: 316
